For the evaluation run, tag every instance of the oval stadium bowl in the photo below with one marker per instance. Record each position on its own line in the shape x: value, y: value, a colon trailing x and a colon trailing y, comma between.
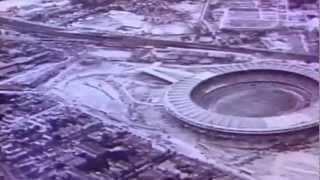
x: 262, y: 98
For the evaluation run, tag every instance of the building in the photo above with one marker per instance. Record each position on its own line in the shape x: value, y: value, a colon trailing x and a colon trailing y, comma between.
x: 249, y: 19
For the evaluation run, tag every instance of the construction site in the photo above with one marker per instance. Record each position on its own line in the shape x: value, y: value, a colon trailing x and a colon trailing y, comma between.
x: 159, y: 90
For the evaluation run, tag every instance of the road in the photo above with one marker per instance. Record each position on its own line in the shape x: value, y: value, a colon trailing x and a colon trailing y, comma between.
x: 125, y: 41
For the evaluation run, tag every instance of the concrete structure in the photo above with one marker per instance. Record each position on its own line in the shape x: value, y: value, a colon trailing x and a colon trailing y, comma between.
x: 249, y: 19
x: 247, y: 99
